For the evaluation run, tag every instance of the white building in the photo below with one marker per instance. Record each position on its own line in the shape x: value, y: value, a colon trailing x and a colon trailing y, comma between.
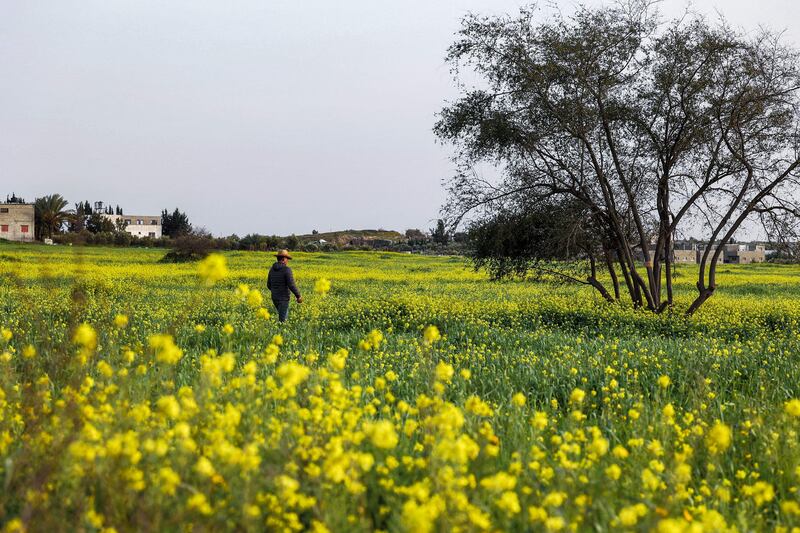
x: 139, y: 225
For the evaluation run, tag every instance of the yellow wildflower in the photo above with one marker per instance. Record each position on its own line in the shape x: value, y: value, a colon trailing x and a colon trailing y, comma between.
x: 168, y: 480
x: 204, y: 467
x: 322, y: 286
x: 382, y: 434
x: 431, y: 334
x: 613, y: 472
x: 444, y: 372
x: 761, y: 492
x: 199, y: 502
x: 85, y: 336
x: 792, y: 407
x: 213, y: 269
x: 719, y: 438
x: 539, y: 420
x: 509, y: 503
x: 165, y: 348
x: 120, y: 321
x: 577, y: 396
x: 169, y: 406
x: 255, y: 299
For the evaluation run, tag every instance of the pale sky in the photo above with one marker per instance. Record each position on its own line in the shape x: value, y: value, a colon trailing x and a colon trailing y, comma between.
x: 253, y: 116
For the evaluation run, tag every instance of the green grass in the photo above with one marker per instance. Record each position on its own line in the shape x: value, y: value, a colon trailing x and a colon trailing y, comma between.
x: 734, y: 363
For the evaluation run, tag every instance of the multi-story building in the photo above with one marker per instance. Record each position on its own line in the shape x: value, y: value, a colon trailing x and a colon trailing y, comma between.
x: 701, y: 249
x: 17, y: 222
x: 684, y: 252
x: 688, y: 252
x: 744, y: 253
x: 138, y: 225
x: 684, y: 256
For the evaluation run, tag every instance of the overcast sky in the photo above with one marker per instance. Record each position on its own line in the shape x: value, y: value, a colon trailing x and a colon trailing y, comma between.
x: 264, y: 116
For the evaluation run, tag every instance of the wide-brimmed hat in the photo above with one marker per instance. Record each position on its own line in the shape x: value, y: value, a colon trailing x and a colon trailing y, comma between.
x: 283, y: 253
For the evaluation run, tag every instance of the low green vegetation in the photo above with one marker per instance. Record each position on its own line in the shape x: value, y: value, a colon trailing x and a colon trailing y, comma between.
x: 412, y: 395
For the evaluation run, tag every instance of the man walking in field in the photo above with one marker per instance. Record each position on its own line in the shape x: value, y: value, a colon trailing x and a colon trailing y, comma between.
x: 280, y: 281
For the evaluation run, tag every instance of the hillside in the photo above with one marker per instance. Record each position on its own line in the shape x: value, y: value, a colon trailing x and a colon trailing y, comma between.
x: 344, y: 237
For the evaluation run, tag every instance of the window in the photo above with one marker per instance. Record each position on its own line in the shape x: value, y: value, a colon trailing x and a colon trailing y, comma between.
x: 4, y: 228
x: 151, y: 234
x: 154, y: 222
x: 139, y: 221
x: 3, y: 210
x: 24, y: 228
x: 127, y: 221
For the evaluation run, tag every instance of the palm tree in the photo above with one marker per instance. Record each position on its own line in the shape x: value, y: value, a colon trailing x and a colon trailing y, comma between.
x: 50, y: 214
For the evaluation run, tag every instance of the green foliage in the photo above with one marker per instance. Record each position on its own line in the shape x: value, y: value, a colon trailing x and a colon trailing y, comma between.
x: 97, y: 223
x: 187, y: 248
x: 90, y: 437
x: 175, y: 224
x: 548, y: 237
x: 50, y: 215
x: 291, y: 242
x: 634, y: 119
x: 439, y: 234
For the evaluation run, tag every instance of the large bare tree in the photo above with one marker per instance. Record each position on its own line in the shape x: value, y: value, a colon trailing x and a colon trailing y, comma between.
x: 653, y: 127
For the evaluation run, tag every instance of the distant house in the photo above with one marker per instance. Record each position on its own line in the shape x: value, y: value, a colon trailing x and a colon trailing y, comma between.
x: 139, y: 225
x: 691, y: 252
x: 744, y: 253
x: 684, y: 252
x: 17, y: 222
x: 701, y: 249
x: 684, y: 256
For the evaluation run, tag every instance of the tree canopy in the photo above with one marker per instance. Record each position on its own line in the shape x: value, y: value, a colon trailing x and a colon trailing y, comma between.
x: 50, y: 214
x: 650, y: 127
x: 175, y: 224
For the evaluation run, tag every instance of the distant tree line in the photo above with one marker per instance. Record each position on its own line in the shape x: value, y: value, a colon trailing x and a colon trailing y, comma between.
x: 14, y: 199
x: 86, y: 223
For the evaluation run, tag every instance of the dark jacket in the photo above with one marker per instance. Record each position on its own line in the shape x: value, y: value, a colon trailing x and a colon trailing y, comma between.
x: 280, y: 281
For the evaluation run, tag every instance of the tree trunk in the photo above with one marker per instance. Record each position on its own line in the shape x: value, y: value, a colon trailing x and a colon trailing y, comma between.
x: 632, y: 291
x: 705, y: 294
x: 600, y: 288
x: 613, y: 273
x: 668, y: 258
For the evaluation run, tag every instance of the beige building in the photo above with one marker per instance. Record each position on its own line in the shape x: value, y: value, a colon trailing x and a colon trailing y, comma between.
x: 688, y: 252
x: 139, y: 225
x: 17, y: 222
x: 691, y: 252
x: 744, y: 253
x: 684, y: 255
x: 701, y: 249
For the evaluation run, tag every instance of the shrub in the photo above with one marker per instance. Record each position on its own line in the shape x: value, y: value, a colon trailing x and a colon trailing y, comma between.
x: 189, y: 248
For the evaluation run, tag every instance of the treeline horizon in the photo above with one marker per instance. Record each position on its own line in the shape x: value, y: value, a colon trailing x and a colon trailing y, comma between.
x: 87, y: 224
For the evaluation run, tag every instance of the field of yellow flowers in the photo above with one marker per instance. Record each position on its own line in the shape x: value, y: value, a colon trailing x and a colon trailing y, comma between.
x: 406, y: 394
